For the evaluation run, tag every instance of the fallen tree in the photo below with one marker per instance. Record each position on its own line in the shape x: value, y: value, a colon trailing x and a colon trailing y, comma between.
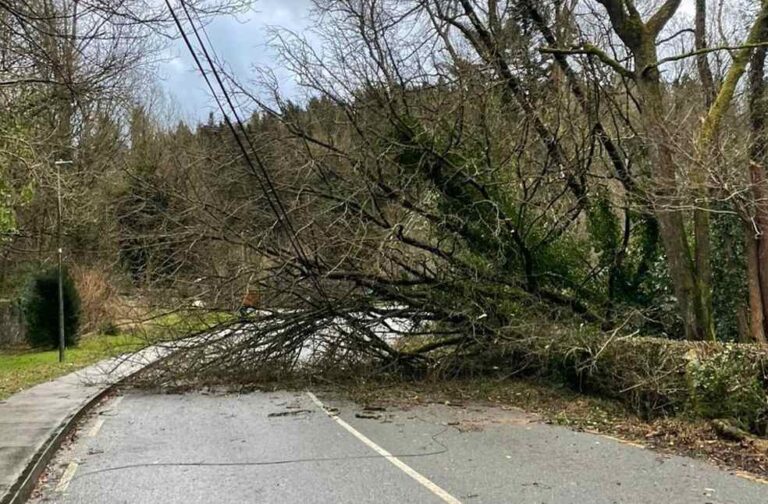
x: 472, y: 171
x: 654, y: 377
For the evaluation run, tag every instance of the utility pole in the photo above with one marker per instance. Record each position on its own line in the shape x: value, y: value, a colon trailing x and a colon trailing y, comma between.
x: 62, y: 339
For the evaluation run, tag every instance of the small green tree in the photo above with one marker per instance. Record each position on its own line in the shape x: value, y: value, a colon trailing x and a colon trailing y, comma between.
x: 40, y: 303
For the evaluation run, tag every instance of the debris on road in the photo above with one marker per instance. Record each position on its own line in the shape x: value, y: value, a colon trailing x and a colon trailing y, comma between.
x: 290, y: 413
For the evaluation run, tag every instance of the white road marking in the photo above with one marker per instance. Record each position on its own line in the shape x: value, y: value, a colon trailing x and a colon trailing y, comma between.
x: 429, y: 485
x: 96, y: 427
x: 66, y: 478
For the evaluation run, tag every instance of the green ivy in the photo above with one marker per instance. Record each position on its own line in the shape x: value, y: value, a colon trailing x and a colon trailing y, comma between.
x: 728, y: 273
x: 729, y: 385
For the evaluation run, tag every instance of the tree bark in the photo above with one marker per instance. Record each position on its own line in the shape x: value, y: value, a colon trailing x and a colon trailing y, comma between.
x: 687, y: 285
x: 754, y: 289
x: 701, y: 219
x: 702, y: 61
x: 680, y: 262
x: 757, y: 243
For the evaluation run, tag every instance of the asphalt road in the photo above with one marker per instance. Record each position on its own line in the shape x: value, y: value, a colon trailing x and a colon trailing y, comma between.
x: 285, y: 448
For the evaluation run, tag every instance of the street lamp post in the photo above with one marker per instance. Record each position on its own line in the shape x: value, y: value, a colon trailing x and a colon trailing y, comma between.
x: 62, y: 340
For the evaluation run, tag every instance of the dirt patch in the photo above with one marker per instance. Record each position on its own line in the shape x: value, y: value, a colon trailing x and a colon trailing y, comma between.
x: 461, y: 416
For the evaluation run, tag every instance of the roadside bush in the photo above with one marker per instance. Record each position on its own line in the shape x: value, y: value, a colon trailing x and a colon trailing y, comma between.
x: 40, y: 303
x: 109, y: 328
x: 730, y: 385
x: 99, y: 301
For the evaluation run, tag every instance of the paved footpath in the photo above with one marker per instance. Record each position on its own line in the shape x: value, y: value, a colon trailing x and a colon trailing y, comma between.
x: 32, y: 422
x: 291, y: 447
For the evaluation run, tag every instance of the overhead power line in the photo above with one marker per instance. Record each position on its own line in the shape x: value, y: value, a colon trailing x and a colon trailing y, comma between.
x: 252, y: 158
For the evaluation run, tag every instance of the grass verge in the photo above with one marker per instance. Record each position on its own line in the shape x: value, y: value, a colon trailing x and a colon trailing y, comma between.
x: 22, y: 368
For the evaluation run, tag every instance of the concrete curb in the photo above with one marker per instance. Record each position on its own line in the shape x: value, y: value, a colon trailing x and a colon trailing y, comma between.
x: 20, y: 492
x: 113, y: 372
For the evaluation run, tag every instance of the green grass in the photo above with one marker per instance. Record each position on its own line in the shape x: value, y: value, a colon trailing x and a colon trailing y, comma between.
x: 22, y: 368
x: 169, y: 325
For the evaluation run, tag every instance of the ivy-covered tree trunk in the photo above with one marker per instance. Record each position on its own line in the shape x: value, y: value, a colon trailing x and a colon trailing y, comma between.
x: 640, y: 37
x: 689, y: 265
x: 680, y: 263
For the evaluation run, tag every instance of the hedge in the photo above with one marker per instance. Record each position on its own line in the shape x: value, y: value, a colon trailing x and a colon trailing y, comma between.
x: 652, y: 376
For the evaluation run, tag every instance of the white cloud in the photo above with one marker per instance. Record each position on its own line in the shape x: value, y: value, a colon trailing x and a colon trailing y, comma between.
x: 241, y: 44
x: 238, y: 43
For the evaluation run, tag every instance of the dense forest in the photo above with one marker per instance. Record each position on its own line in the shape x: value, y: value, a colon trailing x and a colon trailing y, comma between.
x: 481, y: 169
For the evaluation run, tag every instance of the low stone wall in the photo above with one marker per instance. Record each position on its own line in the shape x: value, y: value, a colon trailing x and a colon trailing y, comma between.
x: 12, y: 328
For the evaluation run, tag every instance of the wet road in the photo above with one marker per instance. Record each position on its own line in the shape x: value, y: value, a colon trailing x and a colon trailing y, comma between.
x: 287, y: 447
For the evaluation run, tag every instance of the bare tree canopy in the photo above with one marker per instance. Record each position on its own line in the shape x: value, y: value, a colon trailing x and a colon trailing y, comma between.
x: 453, y: 173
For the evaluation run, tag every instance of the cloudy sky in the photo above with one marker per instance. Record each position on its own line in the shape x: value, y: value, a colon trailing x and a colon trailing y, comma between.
x: 241, y: 43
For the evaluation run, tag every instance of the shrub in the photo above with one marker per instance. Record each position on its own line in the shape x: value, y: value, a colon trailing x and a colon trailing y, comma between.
x: 99, y: 301
x: 729, y: 385
x: 109, y: 328
x: 40, y: 303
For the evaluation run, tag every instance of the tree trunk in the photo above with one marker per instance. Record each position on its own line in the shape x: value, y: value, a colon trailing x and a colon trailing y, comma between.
x: 680, y: 263
x: 702, y: 63
x: 757, y: 242
x: 701, y: 220
x: 689, y: 281
x: 754, y: 289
